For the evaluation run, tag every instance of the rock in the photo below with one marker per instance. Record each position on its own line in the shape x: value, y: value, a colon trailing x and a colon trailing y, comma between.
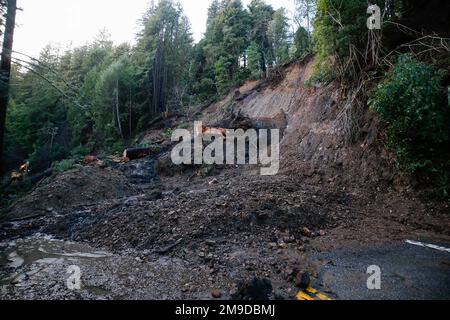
x: 186, y: 288
x: 279, y: 297
x: 154, y: 196
x: 213, y: 181
x: 290, y: 239
x: 234, y: 290
x: 166, y: 168
x: 256, y: 290
x: 102, y: 164
x: 290, y: 274
x: 322, y: 233
x: 303, y: 280
x: 19, y: 279
x: 306, y: 232
x: 283, y: 245
x: 216, y: 294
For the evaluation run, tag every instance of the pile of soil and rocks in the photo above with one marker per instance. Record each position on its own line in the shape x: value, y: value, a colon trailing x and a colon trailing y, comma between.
x: 82, y: 185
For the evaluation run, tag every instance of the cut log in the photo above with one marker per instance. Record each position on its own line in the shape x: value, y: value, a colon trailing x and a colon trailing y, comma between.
x: 37, y: 178
x: 90, y: 159
x: 137, y: 153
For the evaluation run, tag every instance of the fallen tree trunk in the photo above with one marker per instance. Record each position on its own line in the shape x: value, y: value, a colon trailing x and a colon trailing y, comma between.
x: 137, y: 153
x: 37, y: 178
x: 31, y: 180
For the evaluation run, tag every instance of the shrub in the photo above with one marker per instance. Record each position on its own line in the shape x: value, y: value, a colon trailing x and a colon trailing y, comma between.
x: 414, y: 105
x: 116, y: 147
x: 168, y: 132
x: 64, y: 165
x: 81, y: 151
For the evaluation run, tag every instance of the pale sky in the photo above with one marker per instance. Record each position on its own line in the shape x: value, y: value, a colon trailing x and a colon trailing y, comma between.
x: 75, y: 22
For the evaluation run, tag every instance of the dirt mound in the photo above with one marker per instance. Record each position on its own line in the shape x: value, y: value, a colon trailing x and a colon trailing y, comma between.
x: 70, y: 189
x: 225, y: 207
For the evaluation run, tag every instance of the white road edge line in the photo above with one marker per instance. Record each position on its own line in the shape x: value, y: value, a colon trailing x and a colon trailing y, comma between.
x: 425, y: 245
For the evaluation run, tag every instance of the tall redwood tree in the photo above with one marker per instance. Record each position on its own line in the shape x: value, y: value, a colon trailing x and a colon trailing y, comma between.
x: 5, y: 69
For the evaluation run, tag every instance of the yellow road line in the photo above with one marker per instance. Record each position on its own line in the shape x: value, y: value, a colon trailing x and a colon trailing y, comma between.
x: 310, y: 294
x: 311, y: 290
x: 321, y: 296
x: 303, y: 296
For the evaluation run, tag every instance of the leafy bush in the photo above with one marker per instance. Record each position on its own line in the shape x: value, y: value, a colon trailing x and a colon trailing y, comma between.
x: 64, y: 165
x: 81, y: 151
x: 414, y: 105
x: 168, y: 132
x: 116, y: 147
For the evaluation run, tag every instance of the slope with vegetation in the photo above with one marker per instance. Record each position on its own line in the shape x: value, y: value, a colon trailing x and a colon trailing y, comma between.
x: 100, y: 97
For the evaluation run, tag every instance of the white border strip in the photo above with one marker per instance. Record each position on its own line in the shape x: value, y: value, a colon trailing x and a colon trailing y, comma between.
x: 425, y: 245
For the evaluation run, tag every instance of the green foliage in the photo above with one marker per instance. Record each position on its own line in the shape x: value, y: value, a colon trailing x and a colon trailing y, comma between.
x: 64, y: 165
x: 115, y: 147
x: 37, y: 122
x: 261, y: 16
x: 254, y: 58
x: 223, y: 78
x: 205, y: 88
x: 99, y: 96
x: 165, y: 43
x: 168, y: 132
x: 301, y: 43
x: 277, y: 31
x: 340, y: 30
x: 225, y: 42
x: 305, y: 13
x: 241, y: 43
x: 80, y: 152
x: 414, y: 105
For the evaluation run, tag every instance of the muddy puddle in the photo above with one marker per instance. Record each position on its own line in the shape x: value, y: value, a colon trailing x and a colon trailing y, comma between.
x: 41, y: 261
x: 39, y: 267
x: 43, y: 249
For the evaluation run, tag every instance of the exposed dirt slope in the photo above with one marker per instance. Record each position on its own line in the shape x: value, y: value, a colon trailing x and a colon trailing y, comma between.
x: 316, y: 130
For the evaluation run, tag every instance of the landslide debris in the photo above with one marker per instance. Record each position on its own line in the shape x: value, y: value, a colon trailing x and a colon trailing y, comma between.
x: 66, y: 190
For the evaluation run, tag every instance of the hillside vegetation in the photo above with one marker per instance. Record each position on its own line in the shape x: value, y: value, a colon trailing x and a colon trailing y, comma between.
x: 100, y: 98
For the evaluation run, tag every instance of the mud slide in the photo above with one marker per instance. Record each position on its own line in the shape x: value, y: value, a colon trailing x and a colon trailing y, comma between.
x: 151, y: 230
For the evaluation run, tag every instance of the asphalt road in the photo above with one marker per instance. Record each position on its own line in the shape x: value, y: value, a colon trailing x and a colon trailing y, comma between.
x: 407, y: 272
